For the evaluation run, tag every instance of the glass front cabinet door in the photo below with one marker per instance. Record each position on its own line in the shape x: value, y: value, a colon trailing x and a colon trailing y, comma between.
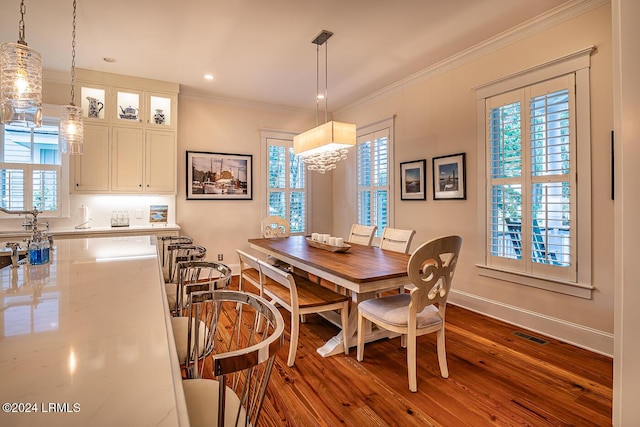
x: 161, y: 111
x: 128, y: 106
x: 94, y: 101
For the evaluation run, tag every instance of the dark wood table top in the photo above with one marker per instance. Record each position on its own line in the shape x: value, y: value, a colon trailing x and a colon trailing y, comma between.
x: 360, y: 264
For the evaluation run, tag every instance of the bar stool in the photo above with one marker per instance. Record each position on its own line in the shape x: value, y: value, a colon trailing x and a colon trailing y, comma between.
x: 179, y: 253
x: 192, y: 327
x: 242, y: 362
x: 163, y: 243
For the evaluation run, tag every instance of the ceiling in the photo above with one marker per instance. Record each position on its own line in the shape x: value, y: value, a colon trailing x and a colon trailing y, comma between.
x: 261, y: 51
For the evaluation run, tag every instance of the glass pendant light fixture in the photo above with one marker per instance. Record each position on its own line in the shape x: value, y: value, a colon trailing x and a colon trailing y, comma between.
x: 323, y: 146
x: 71, y: 127
x: 20, y: 81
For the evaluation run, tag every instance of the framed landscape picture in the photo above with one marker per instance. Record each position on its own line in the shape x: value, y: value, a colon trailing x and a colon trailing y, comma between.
x: 413, y: 180
x: 158, y: 213
x: 219, y: 176
x: 449, y: 177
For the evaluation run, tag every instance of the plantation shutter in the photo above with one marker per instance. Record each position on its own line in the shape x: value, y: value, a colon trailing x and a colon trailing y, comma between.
x: 286, y: 191
x: 531, y: 179
x: 373, y: 179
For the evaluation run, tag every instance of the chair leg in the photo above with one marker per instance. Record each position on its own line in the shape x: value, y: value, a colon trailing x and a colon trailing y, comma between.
x: 361, y: 332
x: 293, y: 344
x: 442, y: 354
x: 411, y: 361
x: 344, y: 313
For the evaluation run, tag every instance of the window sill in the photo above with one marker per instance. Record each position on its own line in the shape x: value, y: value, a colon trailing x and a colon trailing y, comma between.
x: 568, y: 288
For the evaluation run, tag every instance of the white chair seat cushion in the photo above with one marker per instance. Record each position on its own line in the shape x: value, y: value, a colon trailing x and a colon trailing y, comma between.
x: 393, y: 310
x: 172, y: 292
x: 180, y: 331
x: 202, y: 404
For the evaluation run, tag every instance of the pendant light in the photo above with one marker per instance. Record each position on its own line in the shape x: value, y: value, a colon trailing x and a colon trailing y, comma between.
x: 323, y: 146
x: 20, y: 81
x: 71, y: 128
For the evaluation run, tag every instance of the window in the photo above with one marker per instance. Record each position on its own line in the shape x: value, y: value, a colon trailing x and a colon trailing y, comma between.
x: 374, y: 150
x: 536, y: 212
x: 286, y: 182
x: 531, y: 142
x: 31, y: 168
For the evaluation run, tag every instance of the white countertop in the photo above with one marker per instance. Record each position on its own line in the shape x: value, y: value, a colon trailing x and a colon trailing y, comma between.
x: 96, y: 231
x: 88, y: 335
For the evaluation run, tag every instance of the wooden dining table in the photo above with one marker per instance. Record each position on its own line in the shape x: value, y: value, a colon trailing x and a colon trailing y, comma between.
x: 363, y: 270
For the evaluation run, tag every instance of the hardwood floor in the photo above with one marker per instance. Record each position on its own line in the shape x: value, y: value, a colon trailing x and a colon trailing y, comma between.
x: 495, y: 378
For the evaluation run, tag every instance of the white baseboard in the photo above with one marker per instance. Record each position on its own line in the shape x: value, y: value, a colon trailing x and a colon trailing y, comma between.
x: 572, y: 333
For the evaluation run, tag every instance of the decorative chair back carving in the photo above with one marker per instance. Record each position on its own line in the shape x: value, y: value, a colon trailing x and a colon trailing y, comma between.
x: 275, y: 226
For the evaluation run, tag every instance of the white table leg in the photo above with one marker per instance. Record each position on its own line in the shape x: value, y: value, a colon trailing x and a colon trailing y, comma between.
x: 334, y: 345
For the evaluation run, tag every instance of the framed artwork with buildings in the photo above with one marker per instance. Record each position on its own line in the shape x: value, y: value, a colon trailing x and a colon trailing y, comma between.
x: 219, y: 176
x: 413, y: 180
x: 449, y: 177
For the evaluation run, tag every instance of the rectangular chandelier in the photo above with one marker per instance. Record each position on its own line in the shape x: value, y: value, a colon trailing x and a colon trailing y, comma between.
x: 330, y: 136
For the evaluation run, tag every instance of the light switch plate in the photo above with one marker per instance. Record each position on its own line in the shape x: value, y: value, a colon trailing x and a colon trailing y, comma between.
x: 138, y: 213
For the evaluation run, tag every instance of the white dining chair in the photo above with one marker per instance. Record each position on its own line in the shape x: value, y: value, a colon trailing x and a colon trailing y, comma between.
x: 397, y: 240
x: 300, y: 296
x: 249, y: 271
x: 275, y: 226
x: 362, y: 234
x: 421, y: 311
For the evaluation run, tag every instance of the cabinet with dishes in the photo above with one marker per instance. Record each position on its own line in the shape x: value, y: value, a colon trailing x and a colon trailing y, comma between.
x: 130, y: 127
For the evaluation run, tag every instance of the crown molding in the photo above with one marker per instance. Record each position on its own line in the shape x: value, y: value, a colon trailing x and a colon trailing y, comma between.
x: 553, y: 17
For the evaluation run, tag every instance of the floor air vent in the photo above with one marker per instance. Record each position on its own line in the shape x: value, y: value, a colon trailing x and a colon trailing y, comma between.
x: 530, y: 338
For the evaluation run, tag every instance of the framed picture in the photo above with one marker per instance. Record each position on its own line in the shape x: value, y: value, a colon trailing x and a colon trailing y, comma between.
x: 413, y: 180
x: 219, y: 176
x: 449, y: 177
x: 158, y: 213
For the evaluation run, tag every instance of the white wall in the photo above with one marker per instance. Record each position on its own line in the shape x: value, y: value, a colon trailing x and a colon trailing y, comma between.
x: 206, y: 125
x: 626, y: 373
x: 437, y: 116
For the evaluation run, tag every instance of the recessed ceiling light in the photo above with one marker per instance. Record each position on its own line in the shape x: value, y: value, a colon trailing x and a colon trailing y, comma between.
x: 208, y: 77
x: 109, y: 59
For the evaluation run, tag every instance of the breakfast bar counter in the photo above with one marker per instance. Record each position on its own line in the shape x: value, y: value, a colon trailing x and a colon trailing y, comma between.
x: 86, y: 339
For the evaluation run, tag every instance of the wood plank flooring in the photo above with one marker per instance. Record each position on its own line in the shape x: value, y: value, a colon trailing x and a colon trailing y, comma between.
x: 495, y: 378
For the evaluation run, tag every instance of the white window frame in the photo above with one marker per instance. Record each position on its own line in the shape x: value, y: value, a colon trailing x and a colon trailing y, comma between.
x: 386, y: 126
x: 577, y: 63
x: 281, y: 138
x: 51, y: 116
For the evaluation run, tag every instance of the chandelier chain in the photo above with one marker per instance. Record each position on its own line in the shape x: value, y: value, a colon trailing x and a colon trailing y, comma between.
x: 73, y: 55
x: 23, y: 10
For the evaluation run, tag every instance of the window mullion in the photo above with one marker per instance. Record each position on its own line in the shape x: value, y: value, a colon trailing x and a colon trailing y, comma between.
x: 525, y: 116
